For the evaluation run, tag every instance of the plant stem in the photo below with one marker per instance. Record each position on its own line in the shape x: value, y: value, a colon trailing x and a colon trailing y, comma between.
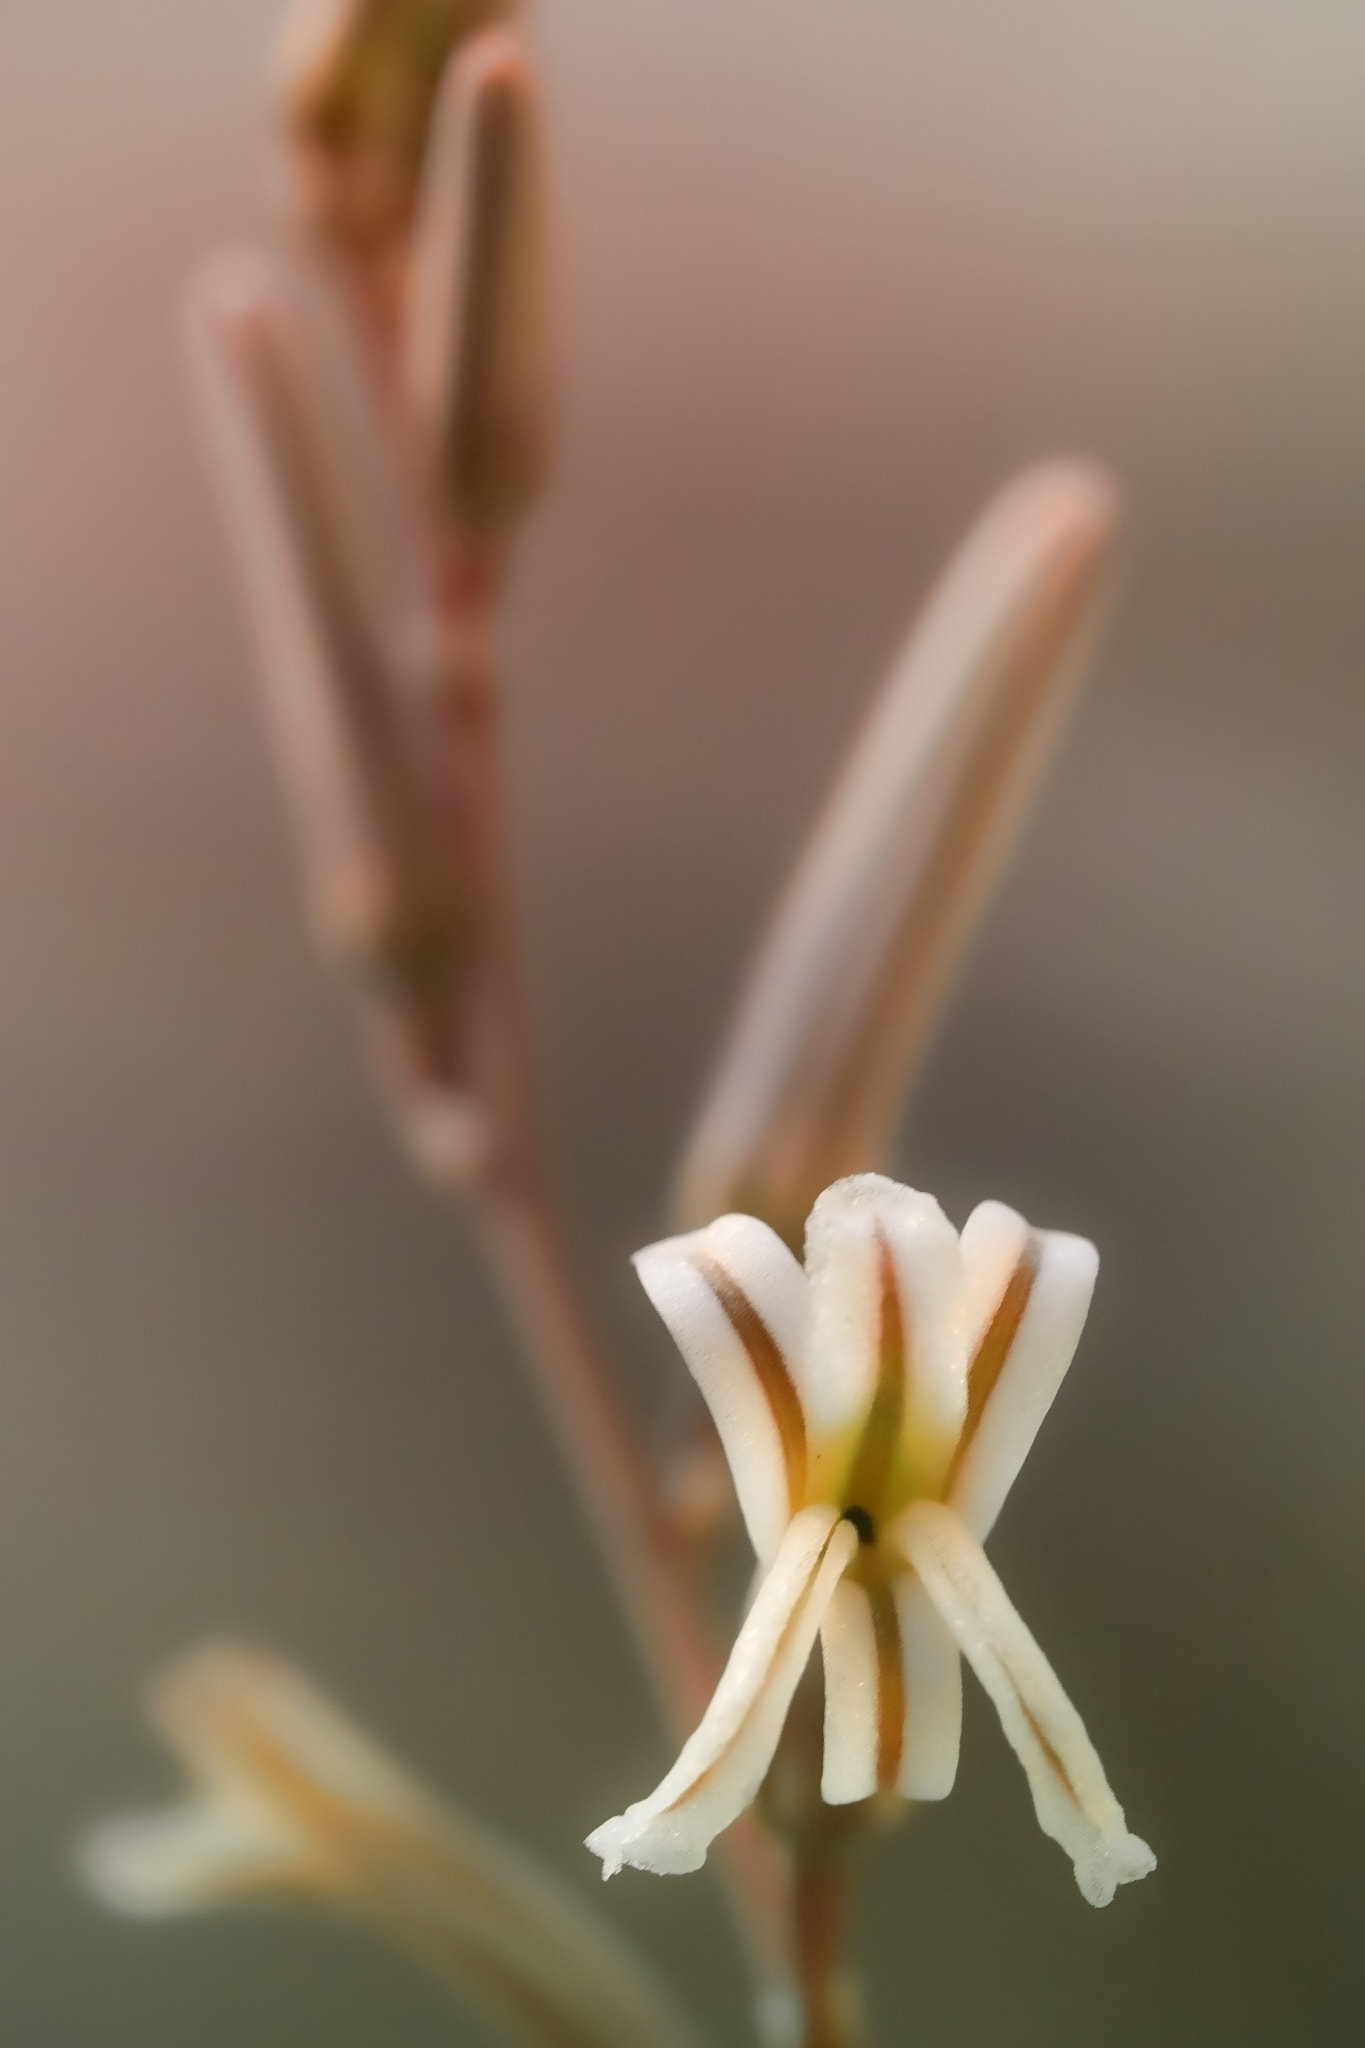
x: 831, y: 2013
x: 788, y: 1904
x: 525, y: 1246
x: 821, y: 1838
x: 511, y: 1203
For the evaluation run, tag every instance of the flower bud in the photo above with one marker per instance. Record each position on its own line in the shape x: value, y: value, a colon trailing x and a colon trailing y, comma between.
x: 864, y: 946
x: 477, y: 345
x: 342, y: 691
x: 355, y: 81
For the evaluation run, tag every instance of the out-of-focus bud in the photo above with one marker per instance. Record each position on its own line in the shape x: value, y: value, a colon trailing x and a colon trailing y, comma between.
x: 477, y: 346
x: 291, y: 1801
x: 342, y: 709
x: 864, y: 946
x: 355, y: 82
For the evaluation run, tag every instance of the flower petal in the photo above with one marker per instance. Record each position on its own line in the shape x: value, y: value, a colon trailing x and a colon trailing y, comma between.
x: 848, y: 1644
x: 1028, y: 1294
x: 735, y: 1301
x: 933, y: 1695
x: 1071, y: 1794
x: 885, y: 1275
x: 722, y: 1765
x: 893, y: 1694
x: 208, y: 1852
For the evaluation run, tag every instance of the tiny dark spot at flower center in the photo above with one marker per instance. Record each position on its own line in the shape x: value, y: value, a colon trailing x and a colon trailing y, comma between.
x: 863, y: 1523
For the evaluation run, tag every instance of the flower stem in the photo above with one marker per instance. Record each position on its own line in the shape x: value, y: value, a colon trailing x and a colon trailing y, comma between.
x: 830, y: 2004
x: 472, y: 1048
x: 820, y: 1838
x: 514, y: 1212
x: 526, y: 1250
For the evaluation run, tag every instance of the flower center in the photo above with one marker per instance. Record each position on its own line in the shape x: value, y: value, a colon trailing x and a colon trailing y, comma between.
x: 872, y: 1470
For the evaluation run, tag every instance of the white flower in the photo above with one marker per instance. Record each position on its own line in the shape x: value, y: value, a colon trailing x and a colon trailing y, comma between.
x: 875, y: 1410
x: 291, y: 1801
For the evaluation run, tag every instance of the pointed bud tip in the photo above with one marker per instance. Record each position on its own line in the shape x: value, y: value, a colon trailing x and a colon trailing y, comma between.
x: 477, y: 360
x: 494, y: 57
x: 1069, y: 497
x: 235, y: 290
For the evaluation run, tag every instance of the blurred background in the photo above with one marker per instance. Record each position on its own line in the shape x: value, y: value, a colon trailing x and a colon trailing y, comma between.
x: 830, y: 269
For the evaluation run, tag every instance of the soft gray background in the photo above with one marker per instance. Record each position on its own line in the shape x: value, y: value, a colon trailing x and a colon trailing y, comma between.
x: 832, y: 267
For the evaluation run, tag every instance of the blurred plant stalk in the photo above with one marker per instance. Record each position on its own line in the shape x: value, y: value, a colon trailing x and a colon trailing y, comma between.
x: 378, y: 657
x: 378, y: 399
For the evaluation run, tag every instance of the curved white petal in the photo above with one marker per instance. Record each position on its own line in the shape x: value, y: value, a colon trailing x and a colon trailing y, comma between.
x: 933, y: 1695
x: 994, y: 1240
x: 294, y: 1802
x: 863, y: 1233
x: 848, y: 1644
x: 735, y: 1301
x: 1071, y: 1794
x: 1027, y: 1296
x: 893, y: 1694
x: 723, y: 1763
x: 206, y: 1852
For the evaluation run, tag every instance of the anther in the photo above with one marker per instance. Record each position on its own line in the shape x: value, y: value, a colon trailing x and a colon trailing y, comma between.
x: 863, y: 1523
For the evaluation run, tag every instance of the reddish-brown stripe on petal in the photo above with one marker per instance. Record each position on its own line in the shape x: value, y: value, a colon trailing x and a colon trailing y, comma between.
x: 790, y: 1627
x: 877, y: 1446
x: 770, y: 1369
x: 994, y: 1349
x: 1055, y: 1763
x: 886, y: 1635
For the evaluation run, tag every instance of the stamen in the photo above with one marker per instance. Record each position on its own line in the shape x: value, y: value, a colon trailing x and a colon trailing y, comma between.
x: 863, y: 1523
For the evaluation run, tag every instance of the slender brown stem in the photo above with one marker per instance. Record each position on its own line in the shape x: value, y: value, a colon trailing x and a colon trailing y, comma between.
x: 526, y: 1250
x: 831, y: 2008
x: 511, y: 1201
x: 523, y: 1247
x: 516, y: 1217
x: 821, y: 1839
